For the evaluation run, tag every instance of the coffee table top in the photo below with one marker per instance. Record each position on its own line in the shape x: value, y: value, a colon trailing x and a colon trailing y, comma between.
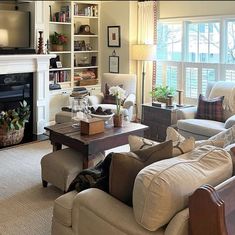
x: 66, y: 129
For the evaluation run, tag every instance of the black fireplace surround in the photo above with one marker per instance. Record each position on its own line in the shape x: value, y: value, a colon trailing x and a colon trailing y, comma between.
x: 13, y: 89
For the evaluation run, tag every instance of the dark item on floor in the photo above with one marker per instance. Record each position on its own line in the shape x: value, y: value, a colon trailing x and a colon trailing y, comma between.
x: 93, y: 177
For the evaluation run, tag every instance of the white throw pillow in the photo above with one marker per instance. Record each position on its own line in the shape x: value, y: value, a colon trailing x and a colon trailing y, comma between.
x: 180, y: 144
x: 217, y: 143
x: 227, y: 135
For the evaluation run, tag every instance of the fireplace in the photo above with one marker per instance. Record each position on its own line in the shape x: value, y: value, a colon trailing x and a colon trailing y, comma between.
x: 15, y: 88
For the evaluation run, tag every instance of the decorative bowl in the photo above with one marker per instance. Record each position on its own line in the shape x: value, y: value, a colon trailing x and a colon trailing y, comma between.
x: 103, y: 117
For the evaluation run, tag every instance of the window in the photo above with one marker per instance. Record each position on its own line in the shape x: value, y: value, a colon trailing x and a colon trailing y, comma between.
x: 193, y: 52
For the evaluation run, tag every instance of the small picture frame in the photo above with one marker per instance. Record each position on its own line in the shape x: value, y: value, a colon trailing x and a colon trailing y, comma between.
x: 58, y: 64
x: 114, y: 64
x: 114, y: 36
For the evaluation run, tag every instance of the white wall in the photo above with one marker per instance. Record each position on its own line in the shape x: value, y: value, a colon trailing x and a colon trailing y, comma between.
x: 169, y: 9
x: 114, y: 13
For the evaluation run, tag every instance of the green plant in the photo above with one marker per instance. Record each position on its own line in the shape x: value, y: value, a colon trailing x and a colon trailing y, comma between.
x: 14, y: 119
x: 58, y: 38
x: 162, y: 92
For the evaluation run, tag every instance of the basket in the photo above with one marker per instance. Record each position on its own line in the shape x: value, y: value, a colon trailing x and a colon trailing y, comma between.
x: 10, y: 137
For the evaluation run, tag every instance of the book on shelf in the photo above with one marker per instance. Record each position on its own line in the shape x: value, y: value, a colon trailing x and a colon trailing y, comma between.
x: 59, y: 76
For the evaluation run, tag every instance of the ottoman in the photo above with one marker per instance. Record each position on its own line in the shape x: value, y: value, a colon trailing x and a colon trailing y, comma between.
x: 61, y: 167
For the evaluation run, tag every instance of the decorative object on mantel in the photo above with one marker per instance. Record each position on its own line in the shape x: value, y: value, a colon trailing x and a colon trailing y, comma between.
x: 40, y: 43
x: 12, y: 123
x: 58, y: 40
x: 163, y: 94
x: 119, y: 94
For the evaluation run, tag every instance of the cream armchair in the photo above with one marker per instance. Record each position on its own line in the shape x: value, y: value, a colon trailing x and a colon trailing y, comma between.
x: 160, y: 198
x: 128, y: 83
x: 201, y: 128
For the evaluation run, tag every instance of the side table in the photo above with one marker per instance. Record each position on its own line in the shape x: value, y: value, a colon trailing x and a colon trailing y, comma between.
x: 158, y: 119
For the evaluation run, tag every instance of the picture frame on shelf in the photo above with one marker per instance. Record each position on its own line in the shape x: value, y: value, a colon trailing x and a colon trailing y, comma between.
x: 58, y: 64
x: 114, y: 64
x: 114, y: 36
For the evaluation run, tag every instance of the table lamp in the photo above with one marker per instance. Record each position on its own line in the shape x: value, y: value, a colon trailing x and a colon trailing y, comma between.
x: 144, y: 52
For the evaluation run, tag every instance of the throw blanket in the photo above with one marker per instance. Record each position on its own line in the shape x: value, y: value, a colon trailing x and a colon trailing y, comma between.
x: 226, y: 89
x: 94, y: 177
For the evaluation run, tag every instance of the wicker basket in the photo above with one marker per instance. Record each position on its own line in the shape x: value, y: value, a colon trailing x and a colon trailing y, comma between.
x: 10, y: 137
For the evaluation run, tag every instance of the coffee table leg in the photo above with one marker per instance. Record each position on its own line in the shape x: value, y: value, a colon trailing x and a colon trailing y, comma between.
x: 56, y: 146
x: 92, y: 159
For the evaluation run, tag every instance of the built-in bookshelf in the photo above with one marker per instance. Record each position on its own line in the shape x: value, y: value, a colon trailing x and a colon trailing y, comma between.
x: 79, y: 21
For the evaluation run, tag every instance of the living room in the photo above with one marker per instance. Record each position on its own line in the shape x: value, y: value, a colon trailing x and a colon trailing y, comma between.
x: 107, y: 107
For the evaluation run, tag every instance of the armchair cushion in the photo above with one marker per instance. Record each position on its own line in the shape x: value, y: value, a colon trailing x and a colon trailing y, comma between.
x: 162, y: 188
x: 210, y: 109
x: 125, y: 166
x: 230, y: 122
x: 129, y: 101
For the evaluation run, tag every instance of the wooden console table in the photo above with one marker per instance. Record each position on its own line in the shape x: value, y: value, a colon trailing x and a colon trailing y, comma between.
x: 65, y: 134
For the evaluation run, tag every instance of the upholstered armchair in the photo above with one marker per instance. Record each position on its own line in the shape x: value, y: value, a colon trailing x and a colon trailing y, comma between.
x: 127, y: 82
x: 202, y: 128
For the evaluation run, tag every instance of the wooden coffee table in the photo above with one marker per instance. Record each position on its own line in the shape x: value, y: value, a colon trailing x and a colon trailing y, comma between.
x: 89, y: 146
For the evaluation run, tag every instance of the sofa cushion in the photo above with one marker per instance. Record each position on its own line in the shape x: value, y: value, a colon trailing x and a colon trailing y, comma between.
x: 217, y: 143
x: 137, y: 142
x: 210, y: 109
x: 125, y: 166
x: 228, y: 135
x: 202, y: 127
x: 162, y: 188
x: 63, y: 205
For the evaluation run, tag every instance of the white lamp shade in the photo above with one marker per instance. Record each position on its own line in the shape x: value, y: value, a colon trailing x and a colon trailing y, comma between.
x: 144, y: 52
x: 3, y: 38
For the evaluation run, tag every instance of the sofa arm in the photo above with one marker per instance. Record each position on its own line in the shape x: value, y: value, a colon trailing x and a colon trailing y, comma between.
x: 105, y: 213
x: 187, y: 113
x: 95, y: 99
x: 129, y: 101
x: 230, y: 122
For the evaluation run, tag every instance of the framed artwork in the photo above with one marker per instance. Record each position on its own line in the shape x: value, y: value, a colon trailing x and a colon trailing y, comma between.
x: 114, y: 36
x: 58, y: 64
x: 114, y: 64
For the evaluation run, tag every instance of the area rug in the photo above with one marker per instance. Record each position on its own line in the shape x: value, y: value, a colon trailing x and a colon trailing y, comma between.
x: 25, y: 206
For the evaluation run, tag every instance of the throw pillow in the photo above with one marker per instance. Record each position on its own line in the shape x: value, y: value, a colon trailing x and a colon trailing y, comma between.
x: 109, y: 99
x: 180, y: 144
x: 210, y: 109
x: 137, y: 142
x: 227, y: 135
x: 217, y: 143
x: 125, y: 167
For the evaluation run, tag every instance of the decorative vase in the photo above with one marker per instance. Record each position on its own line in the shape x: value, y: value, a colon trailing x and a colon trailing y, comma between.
x: 57, y: 47
x: 117, y: 120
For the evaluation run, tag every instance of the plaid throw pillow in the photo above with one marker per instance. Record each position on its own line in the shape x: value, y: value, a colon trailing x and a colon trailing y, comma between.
x: 210, y: 109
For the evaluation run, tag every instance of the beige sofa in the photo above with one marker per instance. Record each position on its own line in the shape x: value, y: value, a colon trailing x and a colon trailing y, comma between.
x: 160, y: 198
x: 201, y: 129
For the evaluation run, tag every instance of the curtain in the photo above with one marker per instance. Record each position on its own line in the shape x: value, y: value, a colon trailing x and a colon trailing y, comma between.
x: 147, y: 26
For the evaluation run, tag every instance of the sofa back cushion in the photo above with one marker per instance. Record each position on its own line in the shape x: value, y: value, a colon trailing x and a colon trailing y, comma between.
x: 162, y: 188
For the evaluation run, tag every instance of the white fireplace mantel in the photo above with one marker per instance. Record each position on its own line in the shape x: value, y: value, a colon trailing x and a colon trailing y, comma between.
x: 39, y: 65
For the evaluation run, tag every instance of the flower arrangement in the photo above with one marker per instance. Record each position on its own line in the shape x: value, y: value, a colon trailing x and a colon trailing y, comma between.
x: 58, y: 39
x: 15, y: 119
x: 119, y: 94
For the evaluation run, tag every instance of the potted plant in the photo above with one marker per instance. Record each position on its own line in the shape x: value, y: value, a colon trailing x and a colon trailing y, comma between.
x: 163, y: 94
x: 12, y: 123
x: 58, y: 40
x: 119, y: 94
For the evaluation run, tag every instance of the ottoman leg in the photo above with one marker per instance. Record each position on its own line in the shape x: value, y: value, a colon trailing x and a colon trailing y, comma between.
x: 44, y: 183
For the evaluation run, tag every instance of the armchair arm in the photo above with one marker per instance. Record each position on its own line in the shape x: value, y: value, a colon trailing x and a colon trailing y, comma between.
x: 109, y: 216
x: 129, y: 101
x: 230, y: 122
x: 95, y: 99
x: 187, y: 113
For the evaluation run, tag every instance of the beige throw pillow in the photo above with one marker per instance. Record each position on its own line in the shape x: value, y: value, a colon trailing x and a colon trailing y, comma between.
x: 217, y: 143
x: 180, y: 144
x: 137, y: 142
x: 125, y: 166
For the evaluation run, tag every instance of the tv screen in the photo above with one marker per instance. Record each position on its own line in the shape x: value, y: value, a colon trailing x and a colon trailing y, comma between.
x: 14, y: 29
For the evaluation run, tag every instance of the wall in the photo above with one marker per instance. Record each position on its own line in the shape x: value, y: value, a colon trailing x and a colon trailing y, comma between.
x: 169, y: 9
x: 118, y: 13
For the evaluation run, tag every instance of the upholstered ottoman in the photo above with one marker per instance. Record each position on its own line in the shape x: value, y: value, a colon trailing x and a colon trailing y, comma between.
x: 61, y: 167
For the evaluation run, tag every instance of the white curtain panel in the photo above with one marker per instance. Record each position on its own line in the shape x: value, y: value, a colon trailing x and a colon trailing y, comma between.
x: 145, y: 36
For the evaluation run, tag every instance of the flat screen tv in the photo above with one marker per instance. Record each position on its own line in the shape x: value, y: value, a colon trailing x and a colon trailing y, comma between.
x: 14, y: 29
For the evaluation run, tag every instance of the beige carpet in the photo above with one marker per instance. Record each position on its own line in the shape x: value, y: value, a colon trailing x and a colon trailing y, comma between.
x: 25, y: 206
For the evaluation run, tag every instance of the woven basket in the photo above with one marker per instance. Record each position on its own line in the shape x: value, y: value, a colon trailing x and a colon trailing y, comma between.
x: 10, y: 137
